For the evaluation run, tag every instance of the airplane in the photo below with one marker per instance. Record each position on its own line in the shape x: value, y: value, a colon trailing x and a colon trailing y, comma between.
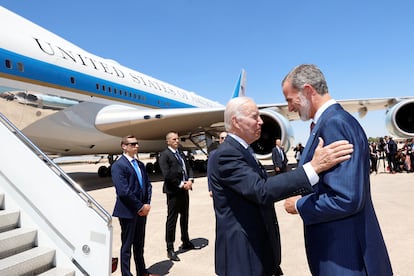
x: 71, y: 102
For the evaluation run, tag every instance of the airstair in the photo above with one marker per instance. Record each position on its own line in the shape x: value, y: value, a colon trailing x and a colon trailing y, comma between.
x: 48, y: 224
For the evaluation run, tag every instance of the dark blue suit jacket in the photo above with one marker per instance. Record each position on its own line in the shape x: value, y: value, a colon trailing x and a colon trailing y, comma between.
x: 247, y: 232
x: 342, y: 234
x: 277, y: 158
x: 130, y: 197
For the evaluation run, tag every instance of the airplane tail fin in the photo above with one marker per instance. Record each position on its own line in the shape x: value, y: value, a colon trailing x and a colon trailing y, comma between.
x: 240, y: 90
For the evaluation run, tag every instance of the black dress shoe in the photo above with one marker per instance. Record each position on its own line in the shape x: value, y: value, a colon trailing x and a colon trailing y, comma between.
x: 172, y: 256
x: 187, y: 246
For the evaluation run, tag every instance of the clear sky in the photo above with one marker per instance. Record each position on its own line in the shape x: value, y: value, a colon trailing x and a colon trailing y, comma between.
x: 364, y: 47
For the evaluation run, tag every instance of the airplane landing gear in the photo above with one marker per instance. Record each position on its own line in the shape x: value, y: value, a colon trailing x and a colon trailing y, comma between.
x: 105, y: 171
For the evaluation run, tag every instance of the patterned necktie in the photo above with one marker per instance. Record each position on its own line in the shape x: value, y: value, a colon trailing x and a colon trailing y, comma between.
x: 262, y: 170
x: 249, y: 148
x: 138, y: 171
x: 180, y: 159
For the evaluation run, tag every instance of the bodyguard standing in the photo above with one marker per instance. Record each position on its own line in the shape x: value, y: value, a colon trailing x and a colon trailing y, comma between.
x: 133, y: 197
x: 178, y: 180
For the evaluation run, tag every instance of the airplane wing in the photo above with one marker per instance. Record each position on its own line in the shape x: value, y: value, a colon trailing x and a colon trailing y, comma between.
x: 120, y: 120
x: 360, y: 106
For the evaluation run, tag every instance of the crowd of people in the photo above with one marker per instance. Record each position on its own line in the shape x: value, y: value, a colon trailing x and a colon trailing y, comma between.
x: 392, y: 156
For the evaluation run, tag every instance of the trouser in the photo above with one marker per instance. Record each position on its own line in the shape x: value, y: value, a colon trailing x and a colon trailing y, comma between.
x: 177, y: 204
x: 132, y: 236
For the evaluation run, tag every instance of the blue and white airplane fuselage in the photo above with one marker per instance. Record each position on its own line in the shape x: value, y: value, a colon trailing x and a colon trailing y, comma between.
x: 42, y: 64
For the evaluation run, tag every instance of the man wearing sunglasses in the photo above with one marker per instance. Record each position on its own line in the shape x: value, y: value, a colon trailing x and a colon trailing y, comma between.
x: 133, y: 197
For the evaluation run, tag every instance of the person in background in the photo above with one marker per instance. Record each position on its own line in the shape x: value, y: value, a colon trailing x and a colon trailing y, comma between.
x: 391, y: 152
x: 373, y: 156
x: 222, y: 137
x: 247, y: 231
x: 279, y: 158
x: 178, y: 180
x: 341, y: 229
x: 132, y: 206
x: 298, y: 152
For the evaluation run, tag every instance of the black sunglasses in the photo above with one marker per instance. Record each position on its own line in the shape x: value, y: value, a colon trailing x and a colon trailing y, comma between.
x: 132, y: 144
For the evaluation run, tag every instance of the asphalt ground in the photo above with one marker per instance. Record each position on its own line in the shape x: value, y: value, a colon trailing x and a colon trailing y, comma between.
x: 391, y: 193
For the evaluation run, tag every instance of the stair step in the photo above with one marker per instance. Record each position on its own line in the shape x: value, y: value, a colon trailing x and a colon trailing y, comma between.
x: 9, y: 219
x: 16, y: 241
x: 56, y: 271
x: 30, y: 262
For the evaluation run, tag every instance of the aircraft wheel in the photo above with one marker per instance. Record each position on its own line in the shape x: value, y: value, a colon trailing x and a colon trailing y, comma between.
x: 149, y: 167
x: 157, y: 168
x: 203, y: 166
x: 103, y: 171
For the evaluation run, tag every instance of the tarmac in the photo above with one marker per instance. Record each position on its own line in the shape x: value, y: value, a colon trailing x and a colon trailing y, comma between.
x: 391, y: 193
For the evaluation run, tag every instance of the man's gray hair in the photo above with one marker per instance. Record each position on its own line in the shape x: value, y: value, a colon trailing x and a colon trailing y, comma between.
x: 234, y: 108
x: 307, y: 74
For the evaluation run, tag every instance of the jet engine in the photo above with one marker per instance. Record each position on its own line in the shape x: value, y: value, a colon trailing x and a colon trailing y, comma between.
x: 275, y: 125
x: 400, y: 119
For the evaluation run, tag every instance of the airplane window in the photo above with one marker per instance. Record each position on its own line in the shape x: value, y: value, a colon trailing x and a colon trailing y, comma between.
x: 8, y: 64
x: 72, y: 80
x: 125, y: 93
x: 115, y: 91
x: 103, y: 87
x: 97, y: 86
x: 20, y: 66
x: 109, y: 89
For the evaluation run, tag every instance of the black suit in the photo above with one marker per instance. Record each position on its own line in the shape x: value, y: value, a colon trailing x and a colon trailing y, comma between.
x: 177, y: 197
x: 247, y: 231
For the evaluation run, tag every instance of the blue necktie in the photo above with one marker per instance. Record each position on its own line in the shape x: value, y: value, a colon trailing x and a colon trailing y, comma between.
x: 138, y: 171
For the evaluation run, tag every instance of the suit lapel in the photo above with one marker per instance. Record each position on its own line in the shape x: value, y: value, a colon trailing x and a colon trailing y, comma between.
x: 312, y: 140
x: 249, y: 157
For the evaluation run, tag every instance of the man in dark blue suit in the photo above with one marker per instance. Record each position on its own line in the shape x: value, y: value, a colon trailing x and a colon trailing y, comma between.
x: 279, y: 158
x: 133, y: 197
x: 342, y: 233
x: 247, y: 232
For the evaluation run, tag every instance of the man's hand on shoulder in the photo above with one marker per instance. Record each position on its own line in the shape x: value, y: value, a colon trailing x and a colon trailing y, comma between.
x: 326, y: 157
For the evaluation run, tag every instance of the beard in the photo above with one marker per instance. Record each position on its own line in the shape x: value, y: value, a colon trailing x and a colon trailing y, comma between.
x: 305, y: 107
